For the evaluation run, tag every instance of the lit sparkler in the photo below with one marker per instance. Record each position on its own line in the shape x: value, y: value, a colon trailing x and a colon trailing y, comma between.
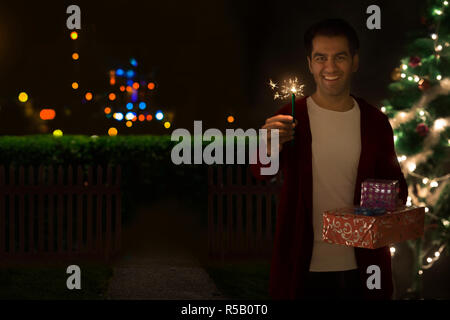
x: 289, y: 87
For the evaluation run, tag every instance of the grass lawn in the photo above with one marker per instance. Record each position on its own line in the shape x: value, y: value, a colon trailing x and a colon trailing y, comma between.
x: 49, y: 282
x: 241, y: 280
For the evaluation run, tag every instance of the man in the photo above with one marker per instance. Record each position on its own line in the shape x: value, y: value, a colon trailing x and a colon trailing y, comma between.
x: 340, y: 141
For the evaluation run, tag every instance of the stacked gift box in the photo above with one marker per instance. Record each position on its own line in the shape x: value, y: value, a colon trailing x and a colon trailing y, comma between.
x: 378, y: 221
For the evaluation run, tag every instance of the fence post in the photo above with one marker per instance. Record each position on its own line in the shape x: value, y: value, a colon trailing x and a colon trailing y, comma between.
x: 60, y: 210
x: 99, y: 246
x: 70, y: 195
x: 118, y: 237
x: 89, y: 211
x: 51, y: 242
x: 12, y: 209
x: 2, y: 211
x: 79, y: 209
x: 108, y: 212
x: 31, y: 215
x: 41, y: 210
x: 21, y: 211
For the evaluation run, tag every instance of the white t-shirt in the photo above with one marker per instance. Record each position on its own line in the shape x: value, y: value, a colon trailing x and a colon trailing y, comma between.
x: 336, y: 148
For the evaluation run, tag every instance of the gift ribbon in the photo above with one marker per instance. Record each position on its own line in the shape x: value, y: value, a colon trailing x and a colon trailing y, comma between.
x: 371, y: 212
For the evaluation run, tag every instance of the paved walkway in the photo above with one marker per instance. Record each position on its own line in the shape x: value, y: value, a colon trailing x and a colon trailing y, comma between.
x: 158, y: 260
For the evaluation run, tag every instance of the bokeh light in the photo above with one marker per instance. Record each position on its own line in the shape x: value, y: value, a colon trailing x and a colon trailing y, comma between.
x: 120, y: 72
x: 75, y: 56
x: 75, y: 85
x: 141, y: 117
x: 159, y: 115
x: 134, y: 96
x: 135, y: 85
x: 112, y: 96
x: 74, y: 35
x: 130, y: 115
x: 151, y: 86
x: 129, y: 89
x: 47, y: 114
x: 149, y: 117
x: 142, y: 105
x: 118, y: 116
x: 107, y: 110
x: 129, y: 124
x: 23, y: 97
x: 133, y: 62
x: 57, y: 133
x: 167, y: 124
x: 88, y: 96
x: 122, y: 88
x: 112, y: 131
x: 130, y: 106
x: 230, y: 119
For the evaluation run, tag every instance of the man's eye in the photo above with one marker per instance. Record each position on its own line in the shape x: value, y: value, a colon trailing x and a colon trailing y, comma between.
x: 320, y: 59
x: 341, y: 58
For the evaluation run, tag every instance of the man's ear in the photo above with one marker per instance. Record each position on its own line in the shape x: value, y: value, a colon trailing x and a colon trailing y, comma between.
x: 309, y: 64
x: 355, y: 63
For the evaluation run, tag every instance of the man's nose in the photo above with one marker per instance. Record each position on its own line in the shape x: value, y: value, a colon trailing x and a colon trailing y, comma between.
x: 330, y: 66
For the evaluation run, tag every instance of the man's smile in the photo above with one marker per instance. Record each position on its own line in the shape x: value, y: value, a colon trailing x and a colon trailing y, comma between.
x: 330, y: 79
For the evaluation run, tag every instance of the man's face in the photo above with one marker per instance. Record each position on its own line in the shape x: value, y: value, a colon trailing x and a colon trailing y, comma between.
x: 332, y: 65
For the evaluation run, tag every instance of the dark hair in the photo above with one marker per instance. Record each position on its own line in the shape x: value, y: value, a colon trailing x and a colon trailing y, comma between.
x: 331, y: 28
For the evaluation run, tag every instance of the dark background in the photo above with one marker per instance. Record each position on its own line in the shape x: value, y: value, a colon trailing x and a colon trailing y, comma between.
x: 210, y: 59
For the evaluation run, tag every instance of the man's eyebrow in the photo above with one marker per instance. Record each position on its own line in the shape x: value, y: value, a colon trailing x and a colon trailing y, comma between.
x: 324, y: 55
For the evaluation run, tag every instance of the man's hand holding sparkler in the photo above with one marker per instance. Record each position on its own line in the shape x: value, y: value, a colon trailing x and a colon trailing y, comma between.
x: 286, y: 127
x: 284, y: 123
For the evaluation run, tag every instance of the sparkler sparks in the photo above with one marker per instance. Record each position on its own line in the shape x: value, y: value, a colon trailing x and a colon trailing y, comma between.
x: 272, y: 84
x: 289, y: 87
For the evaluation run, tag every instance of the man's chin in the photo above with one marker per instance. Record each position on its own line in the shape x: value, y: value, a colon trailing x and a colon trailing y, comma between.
x: 334, y: 93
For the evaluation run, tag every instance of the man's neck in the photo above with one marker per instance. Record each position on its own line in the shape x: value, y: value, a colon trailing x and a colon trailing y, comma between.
x: 335, y: 103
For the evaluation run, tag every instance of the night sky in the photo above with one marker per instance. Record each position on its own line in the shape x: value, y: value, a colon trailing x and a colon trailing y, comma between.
x: 209, y: 59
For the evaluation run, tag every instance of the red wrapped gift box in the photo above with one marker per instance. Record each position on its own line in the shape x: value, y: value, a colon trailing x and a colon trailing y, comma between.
x: 342, y: 226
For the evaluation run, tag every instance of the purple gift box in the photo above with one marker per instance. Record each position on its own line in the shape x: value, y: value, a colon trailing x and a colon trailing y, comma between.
x: 376, y: 193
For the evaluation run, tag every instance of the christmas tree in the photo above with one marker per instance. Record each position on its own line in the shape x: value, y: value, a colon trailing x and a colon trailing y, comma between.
x: 418, y: 108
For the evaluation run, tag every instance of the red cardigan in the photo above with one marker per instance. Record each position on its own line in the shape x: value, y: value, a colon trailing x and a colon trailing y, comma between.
x: 293, y: 241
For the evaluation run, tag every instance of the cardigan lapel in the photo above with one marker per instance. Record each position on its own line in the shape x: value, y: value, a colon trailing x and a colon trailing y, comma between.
x: 305, y: 154
x: 364, y: 159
